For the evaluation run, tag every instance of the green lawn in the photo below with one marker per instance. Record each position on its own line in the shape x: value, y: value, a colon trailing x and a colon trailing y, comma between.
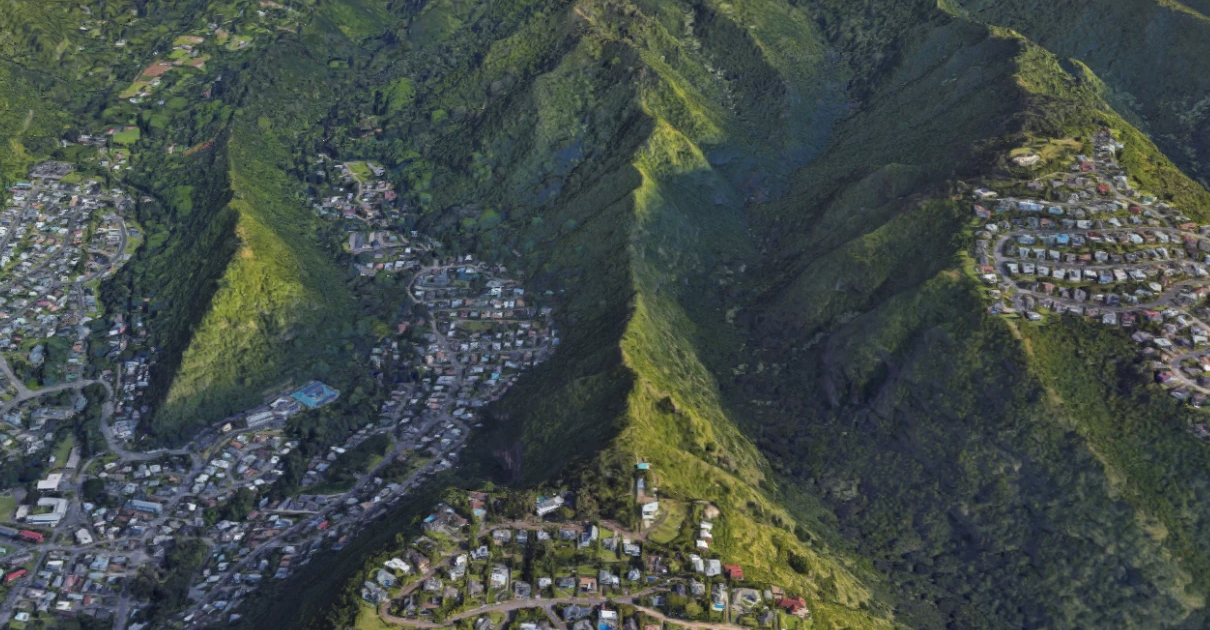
x: 368, y: 619
x: 63, y: 450
x: 129, y: 136
x: 134, y: 89
x: 670, y: 524
x: 608, y: 557
x: 361, y: 171
x: 8, y: 503
x: 239, y: 41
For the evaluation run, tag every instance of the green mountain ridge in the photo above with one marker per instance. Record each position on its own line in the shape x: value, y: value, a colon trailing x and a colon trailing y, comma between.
x: 899, y: 318
x: 1136, y: 48
x: 754, y: 220
x: 661, y: 395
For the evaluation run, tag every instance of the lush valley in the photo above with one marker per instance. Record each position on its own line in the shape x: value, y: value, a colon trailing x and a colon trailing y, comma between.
x: 754, y: 222
x: 858, y: 283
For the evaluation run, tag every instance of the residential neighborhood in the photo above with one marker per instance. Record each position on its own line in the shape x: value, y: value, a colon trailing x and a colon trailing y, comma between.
x: 1100, y: 249
x: 60, y: 235
x: 550, y: 572
x: 77, y: 549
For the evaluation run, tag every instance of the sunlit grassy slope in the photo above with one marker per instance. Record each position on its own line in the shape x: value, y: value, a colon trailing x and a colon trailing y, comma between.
x: 670, y: 221
x: 751, y: 219
x: 282, y: 311
x: 1150, y: 54
x: 864, y: 368
x: 276, y: 298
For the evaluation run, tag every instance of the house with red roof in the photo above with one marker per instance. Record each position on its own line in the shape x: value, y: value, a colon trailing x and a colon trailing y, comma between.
x: 792, y: 605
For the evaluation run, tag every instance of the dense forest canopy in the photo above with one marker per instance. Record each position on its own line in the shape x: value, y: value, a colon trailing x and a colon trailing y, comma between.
x: 754, y: 222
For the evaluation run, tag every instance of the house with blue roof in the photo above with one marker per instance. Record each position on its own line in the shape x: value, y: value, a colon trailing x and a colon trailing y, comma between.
x: 315, y: 394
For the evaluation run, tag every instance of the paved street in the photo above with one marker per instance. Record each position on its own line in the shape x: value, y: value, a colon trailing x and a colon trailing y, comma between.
x: 1116, y: 257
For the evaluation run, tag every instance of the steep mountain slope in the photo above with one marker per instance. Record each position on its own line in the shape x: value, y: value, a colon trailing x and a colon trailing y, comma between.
x: 1150, y: 55
x: 831, y: 327
x: 278, y: 296
x: 230, y: 277
x: 617, y: 155
x: 245, y: 298
x: 20, y: 123
x: 970, y: 457
x: 29, y: 118
x: 752, y: 216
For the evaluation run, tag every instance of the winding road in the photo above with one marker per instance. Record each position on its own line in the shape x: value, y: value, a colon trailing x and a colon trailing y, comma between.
x: 1163, y: 302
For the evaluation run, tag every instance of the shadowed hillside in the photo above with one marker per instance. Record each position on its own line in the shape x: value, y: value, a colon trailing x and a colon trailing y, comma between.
x: 754, y: 221
x: 1150, y: 56
x: 805, y: 340
x: 957, y: 448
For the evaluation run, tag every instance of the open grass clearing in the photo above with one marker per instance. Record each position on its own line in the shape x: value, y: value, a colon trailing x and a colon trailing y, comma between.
x: 669, y: 523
